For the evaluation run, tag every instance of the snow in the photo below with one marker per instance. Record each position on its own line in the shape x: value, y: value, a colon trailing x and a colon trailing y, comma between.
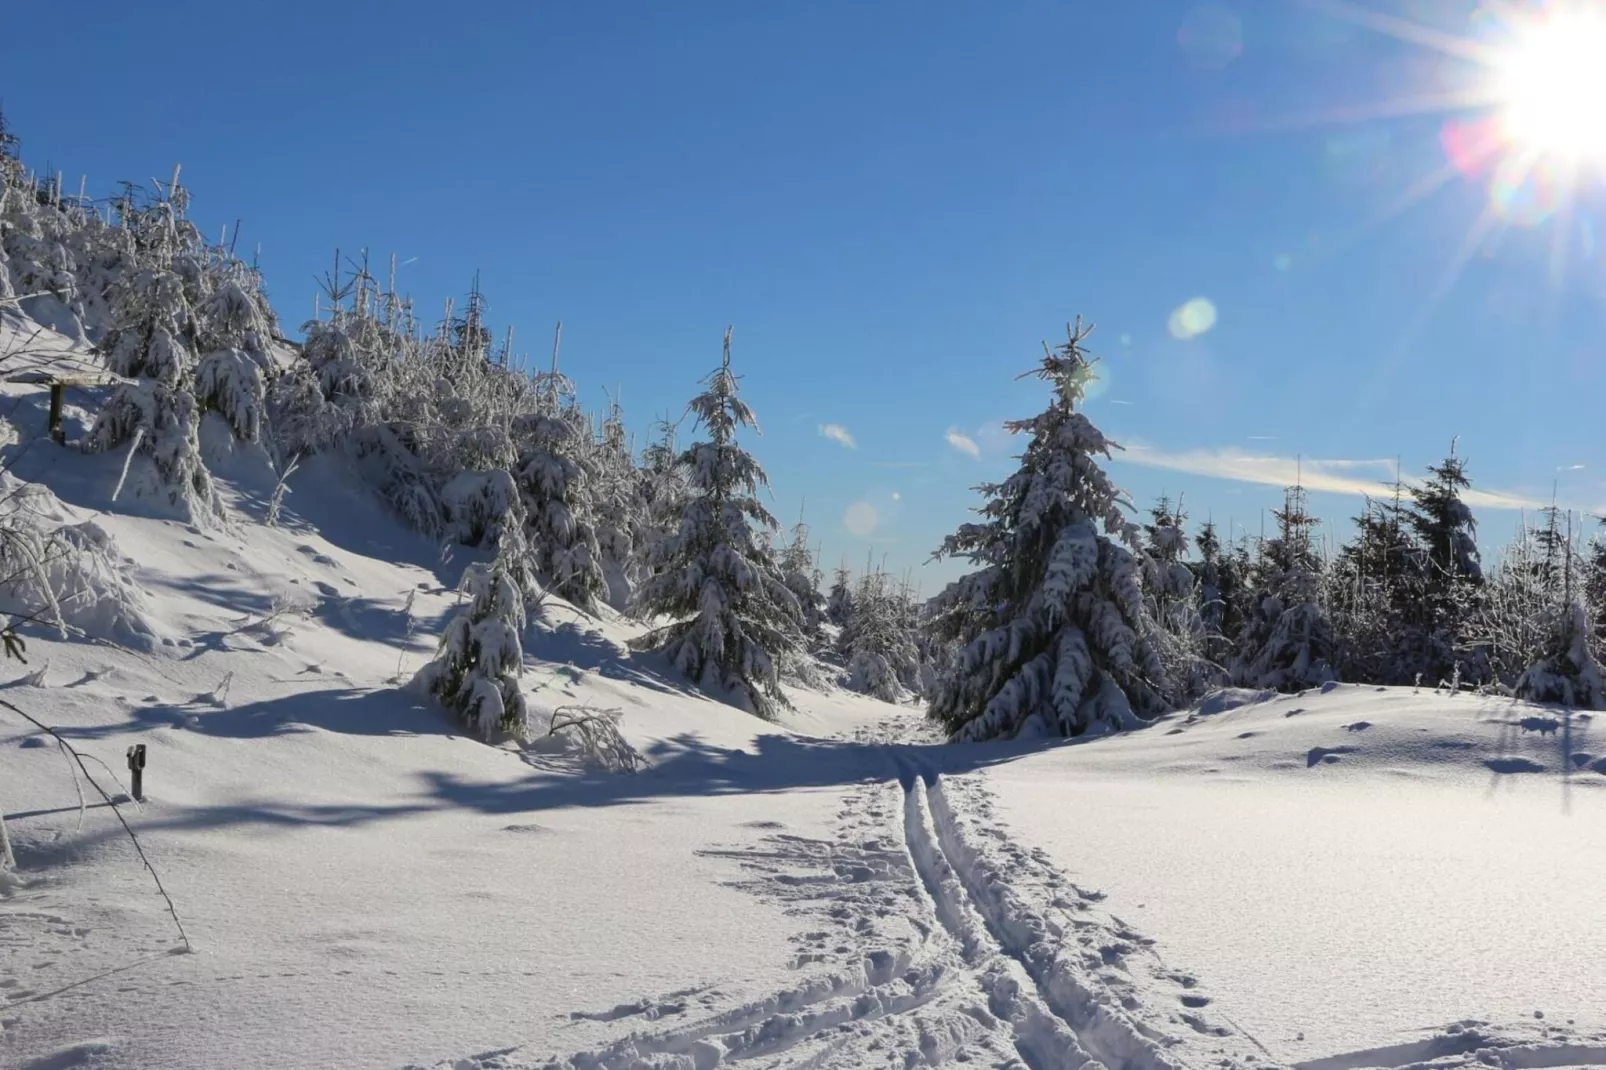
x: 1348, y: 877
x: 1341, y: 870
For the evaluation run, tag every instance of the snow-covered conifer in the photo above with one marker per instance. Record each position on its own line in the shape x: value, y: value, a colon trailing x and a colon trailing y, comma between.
x: 475, y: 672
x: 877, y: 643
x: 802, y: 576
x: 1287, y: 643
x: 163, y: 424
x: 839, y: 603
x: 554, y: 478
x: 1054, y: 631
x: 619, y: 505
x: 734, y: 620
x: 1566, y: 671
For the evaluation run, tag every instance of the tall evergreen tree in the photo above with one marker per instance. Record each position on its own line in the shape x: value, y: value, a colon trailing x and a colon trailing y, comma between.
x: 1449, y: 574
x: 1055, y: 633
x: 734, y: 619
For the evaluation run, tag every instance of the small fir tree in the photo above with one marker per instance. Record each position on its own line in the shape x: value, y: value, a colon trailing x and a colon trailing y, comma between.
x: 475, y: 672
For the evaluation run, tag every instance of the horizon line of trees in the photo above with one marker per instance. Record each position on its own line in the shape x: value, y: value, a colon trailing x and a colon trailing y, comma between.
x: 1075, y: 618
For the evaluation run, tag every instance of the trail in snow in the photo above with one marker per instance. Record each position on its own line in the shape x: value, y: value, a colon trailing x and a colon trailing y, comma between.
x: 912, y: 955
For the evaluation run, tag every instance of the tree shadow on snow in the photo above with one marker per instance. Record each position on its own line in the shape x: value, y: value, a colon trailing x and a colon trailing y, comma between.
x: 571, y: 643
x: 689, y: 766
x: 349, y: 711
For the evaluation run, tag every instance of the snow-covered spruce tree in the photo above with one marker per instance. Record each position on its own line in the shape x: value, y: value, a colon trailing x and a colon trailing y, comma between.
x: 664, y: 491
x: 191, y: 328
x: 802, y: 577
x: 1174, y: 600
x: 618, y: 501
x: 1287, y: 642
x: 1566, y: 671
x: 555, y: 480
x: 1450, y: 574
x: 735, y: 622
x: 1594, y: 584
x: 475, y: 672
x: 1370, y: 593
x: 1221, y: 575
x: 839, y: 603
x: 876, y: 643
x: 1054, y: 632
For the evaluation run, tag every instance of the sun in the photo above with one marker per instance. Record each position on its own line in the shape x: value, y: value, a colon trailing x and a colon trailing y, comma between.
x: 1549, y: 84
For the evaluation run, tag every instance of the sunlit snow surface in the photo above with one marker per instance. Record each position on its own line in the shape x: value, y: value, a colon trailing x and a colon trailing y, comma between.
x: 1301, y: 878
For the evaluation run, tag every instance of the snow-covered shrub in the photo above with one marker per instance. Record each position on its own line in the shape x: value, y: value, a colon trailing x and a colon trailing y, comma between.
x: 65, y: 572
x: 231, y: 383
x: 162, y: 424
x: 591, y: 736
x: 478, y: 506
x: 734, y: 620
x: 1053, y: 628
x: 475, y: 672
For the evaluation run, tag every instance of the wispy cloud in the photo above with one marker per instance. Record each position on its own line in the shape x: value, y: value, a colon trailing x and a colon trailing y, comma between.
x: 409, y: 260
x: 1261, y: 438
x: 1116, y: 401
x: 838, y: 433
x: 1337, y: 476
x: 1569, y: 468
x: 963, y: 443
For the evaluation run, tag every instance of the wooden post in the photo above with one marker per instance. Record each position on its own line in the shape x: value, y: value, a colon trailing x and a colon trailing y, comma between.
x: 136, y: 767
x: 57, y: 434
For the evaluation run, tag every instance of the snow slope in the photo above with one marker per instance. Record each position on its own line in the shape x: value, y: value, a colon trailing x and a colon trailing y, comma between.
x: 362, y: 886
x: 1342, y: 870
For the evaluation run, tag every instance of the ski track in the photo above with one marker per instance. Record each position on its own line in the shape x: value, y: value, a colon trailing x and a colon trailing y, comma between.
x: 929, y: 950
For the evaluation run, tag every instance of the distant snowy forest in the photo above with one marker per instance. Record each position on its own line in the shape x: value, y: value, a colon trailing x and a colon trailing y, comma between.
x: 1080, y: 616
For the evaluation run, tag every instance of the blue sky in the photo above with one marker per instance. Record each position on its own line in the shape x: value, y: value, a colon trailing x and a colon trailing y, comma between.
x: 895, y: 203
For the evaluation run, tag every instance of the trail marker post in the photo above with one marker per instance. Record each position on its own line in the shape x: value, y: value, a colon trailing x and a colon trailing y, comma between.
x: 136, y: 766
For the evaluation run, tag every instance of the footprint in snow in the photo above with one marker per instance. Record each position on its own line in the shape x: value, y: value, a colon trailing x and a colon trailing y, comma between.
x: 1325, y: 755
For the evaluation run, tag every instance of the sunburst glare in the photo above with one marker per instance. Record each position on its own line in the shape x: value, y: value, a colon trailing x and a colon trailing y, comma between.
x: 1551, y: 86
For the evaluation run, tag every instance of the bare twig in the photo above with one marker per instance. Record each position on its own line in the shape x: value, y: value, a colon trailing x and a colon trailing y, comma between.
x: 171, y: 909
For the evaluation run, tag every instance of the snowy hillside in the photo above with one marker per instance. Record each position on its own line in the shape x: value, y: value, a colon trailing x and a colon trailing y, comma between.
x: 1270, y: 880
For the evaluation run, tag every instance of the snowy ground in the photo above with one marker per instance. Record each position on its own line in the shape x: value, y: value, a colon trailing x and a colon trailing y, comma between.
x: 1332, y: 880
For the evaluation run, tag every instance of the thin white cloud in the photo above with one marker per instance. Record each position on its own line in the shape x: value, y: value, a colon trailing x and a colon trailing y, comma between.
x: 1114, y: 401
x: 897, y: 497
x: 963, y: 443
x: 838, y: 433
x: 1569, y: 468
x: 1261, y: 438
x: 409, y: 260
x: 1331, y: 475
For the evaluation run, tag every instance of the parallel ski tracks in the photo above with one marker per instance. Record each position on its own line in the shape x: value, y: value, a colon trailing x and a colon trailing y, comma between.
x: 984, y: 984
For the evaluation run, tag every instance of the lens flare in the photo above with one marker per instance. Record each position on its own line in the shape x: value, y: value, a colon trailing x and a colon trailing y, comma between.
x: 1551, y: 85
